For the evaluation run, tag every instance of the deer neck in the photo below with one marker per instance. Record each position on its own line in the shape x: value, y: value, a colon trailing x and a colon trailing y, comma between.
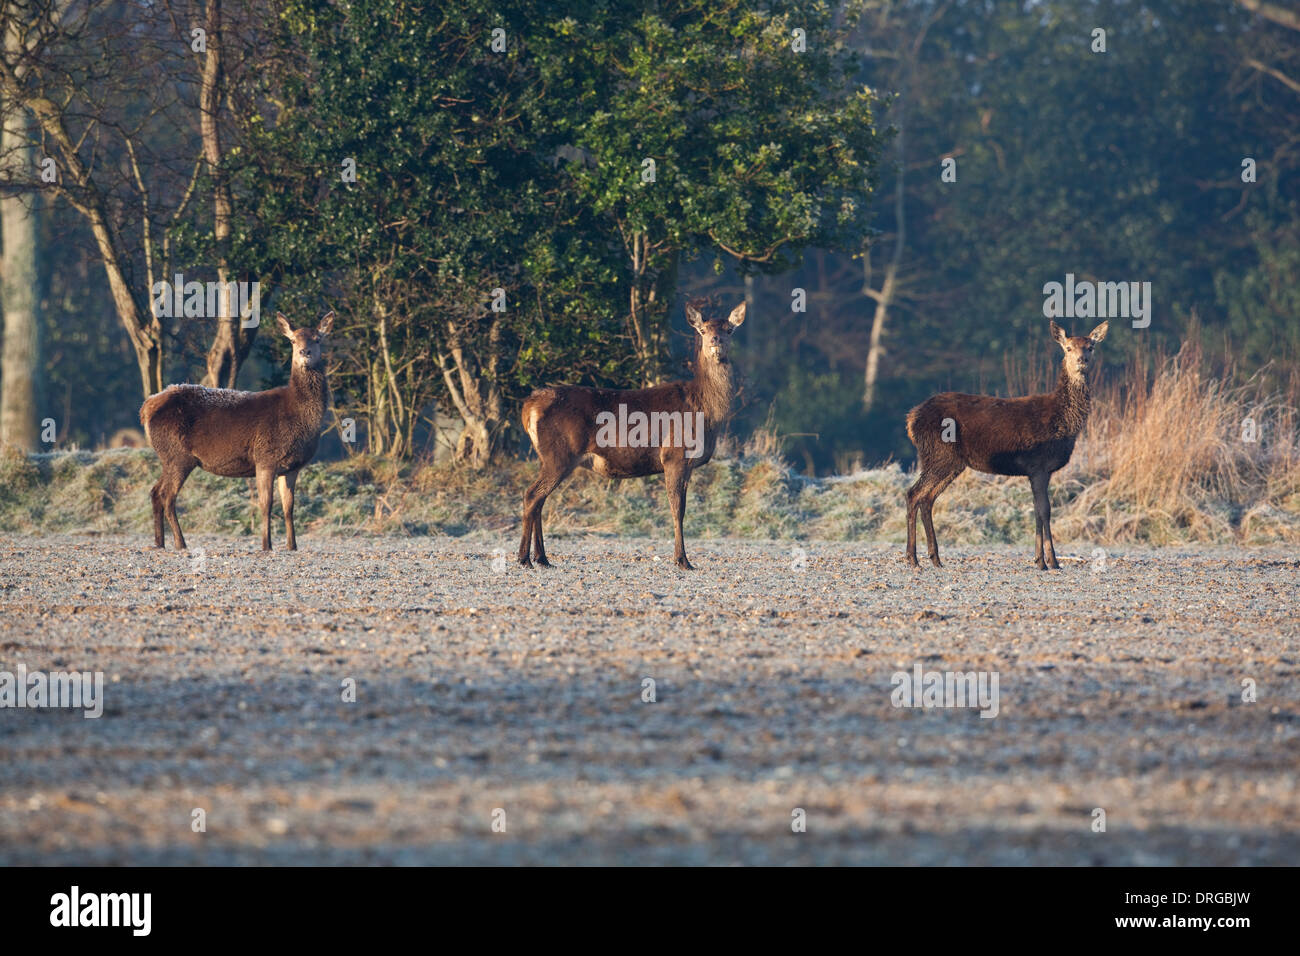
x: 310, y: 391
x: 1073, y: 402
x: 714, y: 386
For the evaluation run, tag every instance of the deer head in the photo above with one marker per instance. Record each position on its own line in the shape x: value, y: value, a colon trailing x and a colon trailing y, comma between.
x: 307, y: 342
x: 714, y: 330
x: 1078, y: 349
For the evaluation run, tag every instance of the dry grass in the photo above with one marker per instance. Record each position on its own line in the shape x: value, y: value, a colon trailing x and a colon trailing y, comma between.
x: 1174, y: 454
x: 1165, y: 458
x: 1186, y: 456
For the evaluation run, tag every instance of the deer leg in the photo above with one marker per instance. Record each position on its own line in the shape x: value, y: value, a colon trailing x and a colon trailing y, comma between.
x: 155, y: 496
x: 913, y: 500
x: 1046, y: 556
x: 931, y: 540
x: 525, y: 543
x: 287, y: 482
x: 676, y: 479
x: 1051, y: 546
x: 252, y: 501
x: 927, y: 507
x: 1047, y: 526
x: 265, y: 485
x: 539, y: 547
x: 172, y: 480
x: 1038, y: 526
x: 534, y: 499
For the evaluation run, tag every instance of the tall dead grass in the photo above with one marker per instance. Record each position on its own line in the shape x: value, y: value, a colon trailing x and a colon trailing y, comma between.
x: 1182, y: 454
x: 1174, y: 452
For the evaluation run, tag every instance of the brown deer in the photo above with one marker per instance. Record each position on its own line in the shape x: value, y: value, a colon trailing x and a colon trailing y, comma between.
x: 263, y: 435
x: 627, y: 433
x: 1032, y: 436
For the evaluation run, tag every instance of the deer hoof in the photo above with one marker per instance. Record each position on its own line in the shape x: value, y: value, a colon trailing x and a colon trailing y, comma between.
x: 525, y: 562
x: 684, y: 564
x: 543, y: 563
x: 934, y: 559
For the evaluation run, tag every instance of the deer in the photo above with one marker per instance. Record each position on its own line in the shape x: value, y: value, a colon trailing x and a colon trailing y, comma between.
x: 266, y: 435
x: 669, y: 429
x: 1032, y: 436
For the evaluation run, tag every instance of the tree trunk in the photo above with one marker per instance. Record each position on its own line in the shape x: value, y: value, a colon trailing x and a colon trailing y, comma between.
x: 392, y: 421
x: 231, y: 343
x: 475, y: 446
x: 145, y: 331
x: 1272, y: 11
x: 20, y: 373
x: 884, y: 298
x: 638, y: 319
x: 475, y: 393
x: 648, y: 319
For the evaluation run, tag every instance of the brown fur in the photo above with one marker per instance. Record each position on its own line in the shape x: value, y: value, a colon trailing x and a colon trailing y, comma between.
x: 261, y: 435
x: 1032, y: 436
x: 561, y: 421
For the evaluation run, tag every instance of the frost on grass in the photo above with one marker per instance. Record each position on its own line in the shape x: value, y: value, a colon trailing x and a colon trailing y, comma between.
x: 1163, y: 460
x: 749, y: 497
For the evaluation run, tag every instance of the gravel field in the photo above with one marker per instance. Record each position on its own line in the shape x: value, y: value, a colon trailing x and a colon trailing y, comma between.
x: 486, y: 693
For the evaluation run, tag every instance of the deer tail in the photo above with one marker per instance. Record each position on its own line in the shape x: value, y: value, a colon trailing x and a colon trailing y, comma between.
x: 150, y: 408
x: 911, y: 424
x: 534, y: 406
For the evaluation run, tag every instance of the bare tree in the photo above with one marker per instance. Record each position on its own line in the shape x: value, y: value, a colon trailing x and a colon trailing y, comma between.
x: 891, y: 283
x: 21, y: 369
x: 469, y: 356
x: 233, y: 338
x: 110, y: 88
x: 1271, y: 11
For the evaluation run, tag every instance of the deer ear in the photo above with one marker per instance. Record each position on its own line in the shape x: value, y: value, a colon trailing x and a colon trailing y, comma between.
x: 1099, y: 332
x: 283, y: 325
x: 326, y: 323
x: 693, y: 316
x: 737, y: 316
x: 1058, y: 335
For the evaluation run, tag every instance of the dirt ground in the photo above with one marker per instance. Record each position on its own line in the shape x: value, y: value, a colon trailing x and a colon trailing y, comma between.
x: 489, y: 698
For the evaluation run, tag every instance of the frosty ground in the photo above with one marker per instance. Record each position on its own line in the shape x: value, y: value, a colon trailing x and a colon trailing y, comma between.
x: 482, y: 687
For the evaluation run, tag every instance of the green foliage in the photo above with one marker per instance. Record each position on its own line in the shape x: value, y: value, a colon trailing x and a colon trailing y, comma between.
x: 1123, y: 165
x: 521, y: 169
x: 1257, y: 297
x: 453, y: 197
x: 698, y: 127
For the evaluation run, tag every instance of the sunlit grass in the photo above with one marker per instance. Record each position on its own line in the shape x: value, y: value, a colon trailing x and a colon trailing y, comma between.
x: 1163, y: 460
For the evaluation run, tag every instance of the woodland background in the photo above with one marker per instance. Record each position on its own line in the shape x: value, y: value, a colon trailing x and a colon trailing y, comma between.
x: 210, y: 139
